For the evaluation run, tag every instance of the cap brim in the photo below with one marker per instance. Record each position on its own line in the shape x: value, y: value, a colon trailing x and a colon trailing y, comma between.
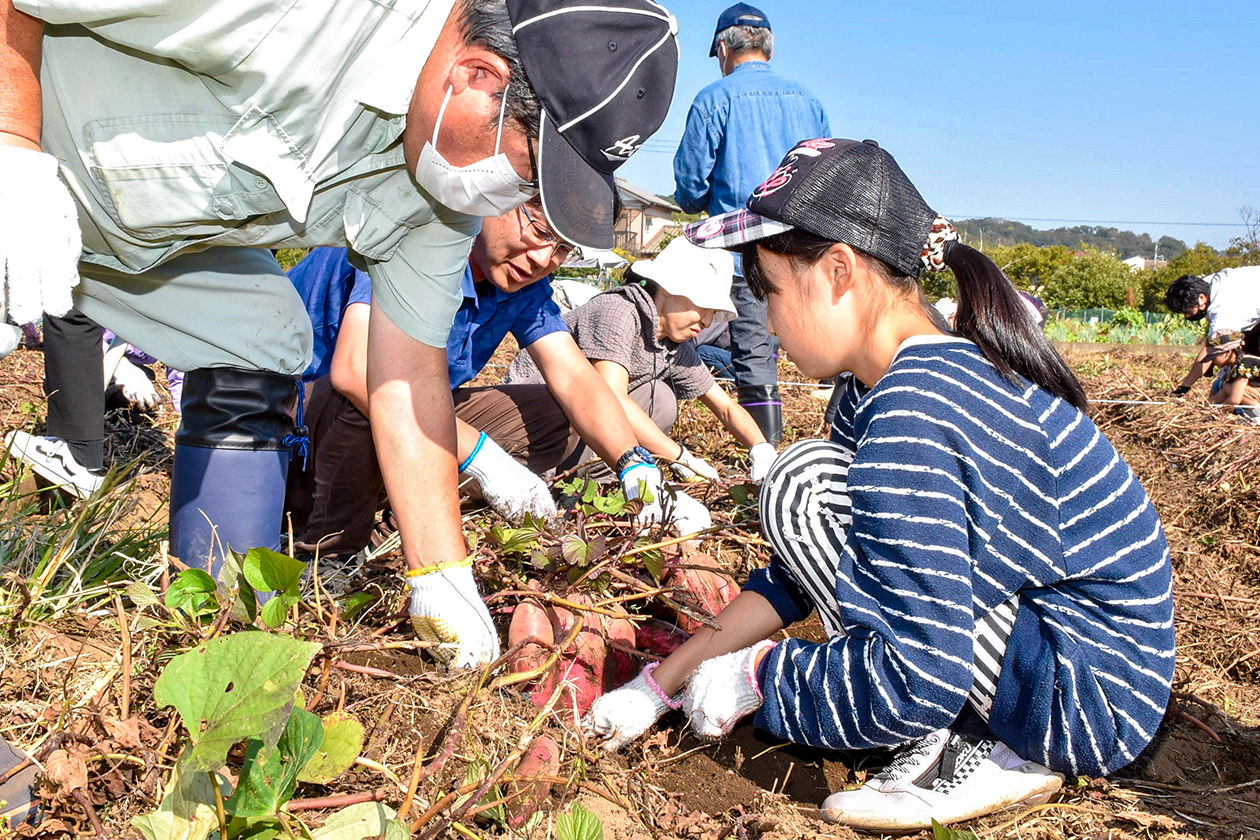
x: 576, y: 198
x: 733, y: 230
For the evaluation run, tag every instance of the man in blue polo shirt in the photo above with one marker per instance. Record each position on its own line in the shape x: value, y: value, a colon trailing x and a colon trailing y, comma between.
x: 506, y: 434
x: 738, y: 129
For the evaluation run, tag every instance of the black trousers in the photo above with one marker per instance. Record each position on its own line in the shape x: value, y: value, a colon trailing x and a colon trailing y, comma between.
x: 72, y: 377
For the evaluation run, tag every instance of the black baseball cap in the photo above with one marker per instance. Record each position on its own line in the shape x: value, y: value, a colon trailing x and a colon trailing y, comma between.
x: 741, y: 14
x: 604, y: 72
x: 846, y: 191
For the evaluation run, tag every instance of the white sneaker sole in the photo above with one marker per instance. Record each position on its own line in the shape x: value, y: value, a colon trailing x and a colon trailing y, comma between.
x: 34, y: 451
x: 917, y: 820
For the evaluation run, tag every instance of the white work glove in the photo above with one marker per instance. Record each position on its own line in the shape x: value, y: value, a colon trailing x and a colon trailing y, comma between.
x: 723, y: 690
x: 642, y: 480
x: 511, y: 489
x: 39, y: 236
x: 446, y: 607
x: 620, y: 716
x: 686, y: 514
x: 689, y: 468
x: 136, y: 384
x: 762, y: 457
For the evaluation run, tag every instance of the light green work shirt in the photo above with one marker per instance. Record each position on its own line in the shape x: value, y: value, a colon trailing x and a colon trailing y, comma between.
x: 187, y: 124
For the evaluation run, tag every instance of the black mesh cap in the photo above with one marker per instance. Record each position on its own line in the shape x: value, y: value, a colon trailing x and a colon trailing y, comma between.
x: 604, y: 71
x: 842, y: 190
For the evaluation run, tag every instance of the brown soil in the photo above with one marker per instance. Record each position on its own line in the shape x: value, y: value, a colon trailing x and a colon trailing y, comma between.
x: 59, y: 676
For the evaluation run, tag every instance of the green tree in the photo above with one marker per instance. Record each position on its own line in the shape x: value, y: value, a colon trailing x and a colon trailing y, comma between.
x: 1029, y: 266
x: 1092, y: 279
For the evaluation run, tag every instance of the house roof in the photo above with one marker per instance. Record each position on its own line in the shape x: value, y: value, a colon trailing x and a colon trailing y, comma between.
x: 632, y: 196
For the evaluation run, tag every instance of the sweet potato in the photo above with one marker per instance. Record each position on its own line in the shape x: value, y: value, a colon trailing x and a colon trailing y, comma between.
x: 531, y: 624
x: 702, y: 578
x: 621, y: 665
x: 527, y: 793
x: 582, y: 664
x: 659, y: 637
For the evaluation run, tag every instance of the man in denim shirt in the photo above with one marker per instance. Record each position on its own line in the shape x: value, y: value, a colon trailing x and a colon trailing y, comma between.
x: 738, y: 130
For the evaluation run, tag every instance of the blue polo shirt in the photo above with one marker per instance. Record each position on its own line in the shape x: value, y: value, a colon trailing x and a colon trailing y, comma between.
x: 328, y: 284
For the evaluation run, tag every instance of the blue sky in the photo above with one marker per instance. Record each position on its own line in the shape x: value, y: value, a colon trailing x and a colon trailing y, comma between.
x: 1135, y: 115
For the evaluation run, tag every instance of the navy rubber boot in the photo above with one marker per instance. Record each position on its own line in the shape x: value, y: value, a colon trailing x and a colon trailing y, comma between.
x: 763, y: 403
x: 232, y: 454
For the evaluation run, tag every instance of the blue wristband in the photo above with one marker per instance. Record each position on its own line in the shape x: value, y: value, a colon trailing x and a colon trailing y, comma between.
x: 481, y: 439
x: 622, y: 475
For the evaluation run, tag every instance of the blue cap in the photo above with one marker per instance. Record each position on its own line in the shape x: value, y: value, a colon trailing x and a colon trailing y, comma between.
x: 741, y: 14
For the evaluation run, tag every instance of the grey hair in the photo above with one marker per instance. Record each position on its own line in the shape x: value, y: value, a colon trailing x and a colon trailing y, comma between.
x: 485, y: 23
x: 741, y: 39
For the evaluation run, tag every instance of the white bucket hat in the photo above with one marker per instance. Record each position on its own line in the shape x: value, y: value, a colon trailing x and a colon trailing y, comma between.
x: 702, y: 275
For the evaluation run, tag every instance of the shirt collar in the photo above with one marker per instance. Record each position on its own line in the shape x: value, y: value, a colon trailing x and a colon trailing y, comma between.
x: 925, y: 340
x: 751, y: 64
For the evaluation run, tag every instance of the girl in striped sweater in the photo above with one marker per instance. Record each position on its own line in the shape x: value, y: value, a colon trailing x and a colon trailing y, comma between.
x: 994, y: 579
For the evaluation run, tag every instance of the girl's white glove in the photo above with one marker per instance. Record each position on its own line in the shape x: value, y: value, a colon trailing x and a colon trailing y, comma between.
x: 511, y: 489
x: 723, y: 690
x: 762, y: 457
x: 10, y: 336
x: 39, y: 236
x: 446, y: 607
x: 136, y: 384
x: 688, y: 467
x: 620, y: 716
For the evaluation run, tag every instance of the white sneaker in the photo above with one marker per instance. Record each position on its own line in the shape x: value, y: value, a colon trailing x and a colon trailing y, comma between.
x: 946, y: 776
x: 51, y: 458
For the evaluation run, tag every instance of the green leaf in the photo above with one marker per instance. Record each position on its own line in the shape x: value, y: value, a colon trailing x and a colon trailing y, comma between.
x: 270, y: 571
x: 270, y: 775
x: 257, y: 828
x: 740, y: 494
x: 232, y: 688
x: 940, y: 832
x: 575, y: 550
x: 193, y: 593
x: 354, y: 604
x: 612, y: 505
x: 579, y: 824
x: 276, y: 610
x: 343, y: 741
x: 361, y: 821
x: 589, y: 492
x: 653, y: 561
x: 142, y: 595
x: 187, y: 812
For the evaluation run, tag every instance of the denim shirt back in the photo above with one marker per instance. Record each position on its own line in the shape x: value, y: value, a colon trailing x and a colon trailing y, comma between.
x: 738, y: 129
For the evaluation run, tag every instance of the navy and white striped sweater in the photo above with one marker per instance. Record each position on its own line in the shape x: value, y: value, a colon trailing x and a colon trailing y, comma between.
x: 965, y: 489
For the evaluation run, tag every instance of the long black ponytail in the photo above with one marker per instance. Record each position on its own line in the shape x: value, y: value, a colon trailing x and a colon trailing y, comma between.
x: 993, y: 315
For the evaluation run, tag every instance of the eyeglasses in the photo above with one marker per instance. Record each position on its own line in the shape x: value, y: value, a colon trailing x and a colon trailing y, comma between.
x: 540, y: 236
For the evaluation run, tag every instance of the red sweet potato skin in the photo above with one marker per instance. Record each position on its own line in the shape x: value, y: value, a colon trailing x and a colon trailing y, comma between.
x: 658, y: 638
x: 621, y: 665
x: 531, y: 622
x: 707, y: 586
x: 581, y: 664
x: 527, y: 794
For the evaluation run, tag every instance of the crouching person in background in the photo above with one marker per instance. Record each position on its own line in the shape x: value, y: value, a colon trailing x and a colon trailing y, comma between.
x: 994, y: 580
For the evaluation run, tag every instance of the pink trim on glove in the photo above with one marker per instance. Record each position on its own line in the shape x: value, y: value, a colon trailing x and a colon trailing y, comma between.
x: 660, y: 692
x: 751, y: 664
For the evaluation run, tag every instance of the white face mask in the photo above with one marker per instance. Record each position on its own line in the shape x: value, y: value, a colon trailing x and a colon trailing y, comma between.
x: 488, y: 187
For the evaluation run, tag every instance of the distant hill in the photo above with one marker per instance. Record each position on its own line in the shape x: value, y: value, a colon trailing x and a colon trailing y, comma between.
x: 1125, y: 243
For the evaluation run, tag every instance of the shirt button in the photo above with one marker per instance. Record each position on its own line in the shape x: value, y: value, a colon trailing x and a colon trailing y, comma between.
x: 223, y: 210
x: 261, y: 183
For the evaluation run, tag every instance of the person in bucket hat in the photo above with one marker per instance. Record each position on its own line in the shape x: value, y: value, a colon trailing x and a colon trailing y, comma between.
x: 994, y: 581
x: 641, y: 339
x: 152, y: 154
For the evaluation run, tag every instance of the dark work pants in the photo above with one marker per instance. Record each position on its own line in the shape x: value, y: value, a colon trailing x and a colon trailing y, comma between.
x: 73, y: 378
x: 752, y: 347
x: 332, y: 503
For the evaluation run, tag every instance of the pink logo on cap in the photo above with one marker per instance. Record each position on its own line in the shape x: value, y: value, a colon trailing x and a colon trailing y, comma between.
x: 710, y: 227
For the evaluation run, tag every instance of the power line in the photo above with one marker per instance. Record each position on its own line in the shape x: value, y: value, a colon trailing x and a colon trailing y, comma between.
x: 1098, y: 221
